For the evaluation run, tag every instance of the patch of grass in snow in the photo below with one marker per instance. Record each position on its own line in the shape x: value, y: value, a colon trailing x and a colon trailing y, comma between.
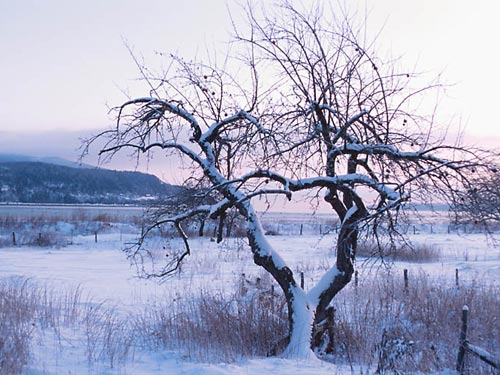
x: 381, y: 324
x: 109, y: 338
x: 46, y: 230
x: 42, y: 238
x: 378, y: 324
x: 416, y: 253
x: 24, y: 308
x: 218, y: 327
x: 17, y: 316
x: 27, y: 310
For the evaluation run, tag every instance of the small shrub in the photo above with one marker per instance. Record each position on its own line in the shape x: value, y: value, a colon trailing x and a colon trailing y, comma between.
x: 272, y: 232
x: 36, y: 239
x: 394, y: 351
x: 47, y: 239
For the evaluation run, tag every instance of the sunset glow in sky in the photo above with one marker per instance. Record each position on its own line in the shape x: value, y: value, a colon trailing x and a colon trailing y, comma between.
x: 64, y: 61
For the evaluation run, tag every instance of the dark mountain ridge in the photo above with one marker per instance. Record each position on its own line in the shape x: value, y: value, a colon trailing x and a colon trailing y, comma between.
x: 39, y: 182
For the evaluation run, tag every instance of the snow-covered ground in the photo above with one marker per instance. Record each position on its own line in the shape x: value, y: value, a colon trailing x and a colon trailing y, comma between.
x: 105, y: 275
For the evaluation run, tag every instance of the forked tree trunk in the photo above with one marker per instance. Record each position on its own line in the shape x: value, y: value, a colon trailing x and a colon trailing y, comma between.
x: 306, y: 310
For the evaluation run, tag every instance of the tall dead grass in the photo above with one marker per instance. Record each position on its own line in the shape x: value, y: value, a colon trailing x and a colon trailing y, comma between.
x: 215, y: 326
x: 108, y: 336
x: 417, y: 253
x: 17, y: 318
x: 379, y: 325
x: 44, y: 230
x: 382, y: 325
x: 27, y: 308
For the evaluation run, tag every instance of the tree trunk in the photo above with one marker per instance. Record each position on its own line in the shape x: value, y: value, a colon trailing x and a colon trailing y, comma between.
x: 307, y: 310
x: 346, y: 252
x: 300, y: 311
x: 220, y: 227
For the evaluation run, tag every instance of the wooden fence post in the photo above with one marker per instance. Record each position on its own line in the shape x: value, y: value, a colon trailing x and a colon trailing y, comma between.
x: 456, y: 278
x: 405, y: 275
x: 201, y: 229
x: 301, y: 228
x: 467, y: 347
x: 356, y: 278
x: 14, y: 238
x: 463, y: 341
x: 95, y: 236
x: 302, y: 280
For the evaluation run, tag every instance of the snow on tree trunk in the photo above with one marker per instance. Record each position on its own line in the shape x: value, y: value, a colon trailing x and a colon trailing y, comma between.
x: 302, y: 321
x: 300, y: 311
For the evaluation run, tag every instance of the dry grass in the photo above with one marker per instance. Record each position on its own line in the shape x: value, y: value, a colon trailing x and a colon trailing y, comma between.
x: 108, y: 337
x: 39, y: 230
x: 217, y: 327
x: 383, y: 325
x: 17, y: 316
x: 378, y: 324
x: 417, y: 253
x: 27, y: 308
x: 45, y: 238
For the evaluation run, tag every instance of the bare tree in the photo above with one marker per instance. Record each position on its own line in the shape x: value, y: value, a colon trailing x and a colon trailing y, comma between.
x: 479, y: 203
x: 304, y: 106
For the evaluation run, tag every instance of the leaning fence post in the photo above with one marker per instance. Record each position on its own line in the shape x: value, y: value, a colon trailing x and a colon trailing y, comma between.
x: 463, y: 341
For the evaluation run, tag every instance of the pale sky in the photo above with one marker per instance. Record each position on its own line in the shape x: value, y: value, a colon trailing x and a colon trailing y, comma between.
x: 63, y: 61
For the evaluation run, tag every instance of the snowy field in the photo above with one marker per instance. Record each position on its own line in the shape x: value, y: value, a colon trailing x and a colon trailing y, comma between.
x: 104, y: 276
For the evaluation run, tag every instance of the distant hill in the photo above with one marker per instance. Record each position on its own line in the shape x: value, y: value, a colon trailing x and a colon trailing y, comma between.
x: 40, y: 182
x: 47, y: 159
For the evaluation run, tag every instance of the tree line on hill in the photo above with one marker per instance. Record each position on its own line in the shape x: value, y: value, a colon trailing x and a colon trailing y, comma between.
x: 37, y: 182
